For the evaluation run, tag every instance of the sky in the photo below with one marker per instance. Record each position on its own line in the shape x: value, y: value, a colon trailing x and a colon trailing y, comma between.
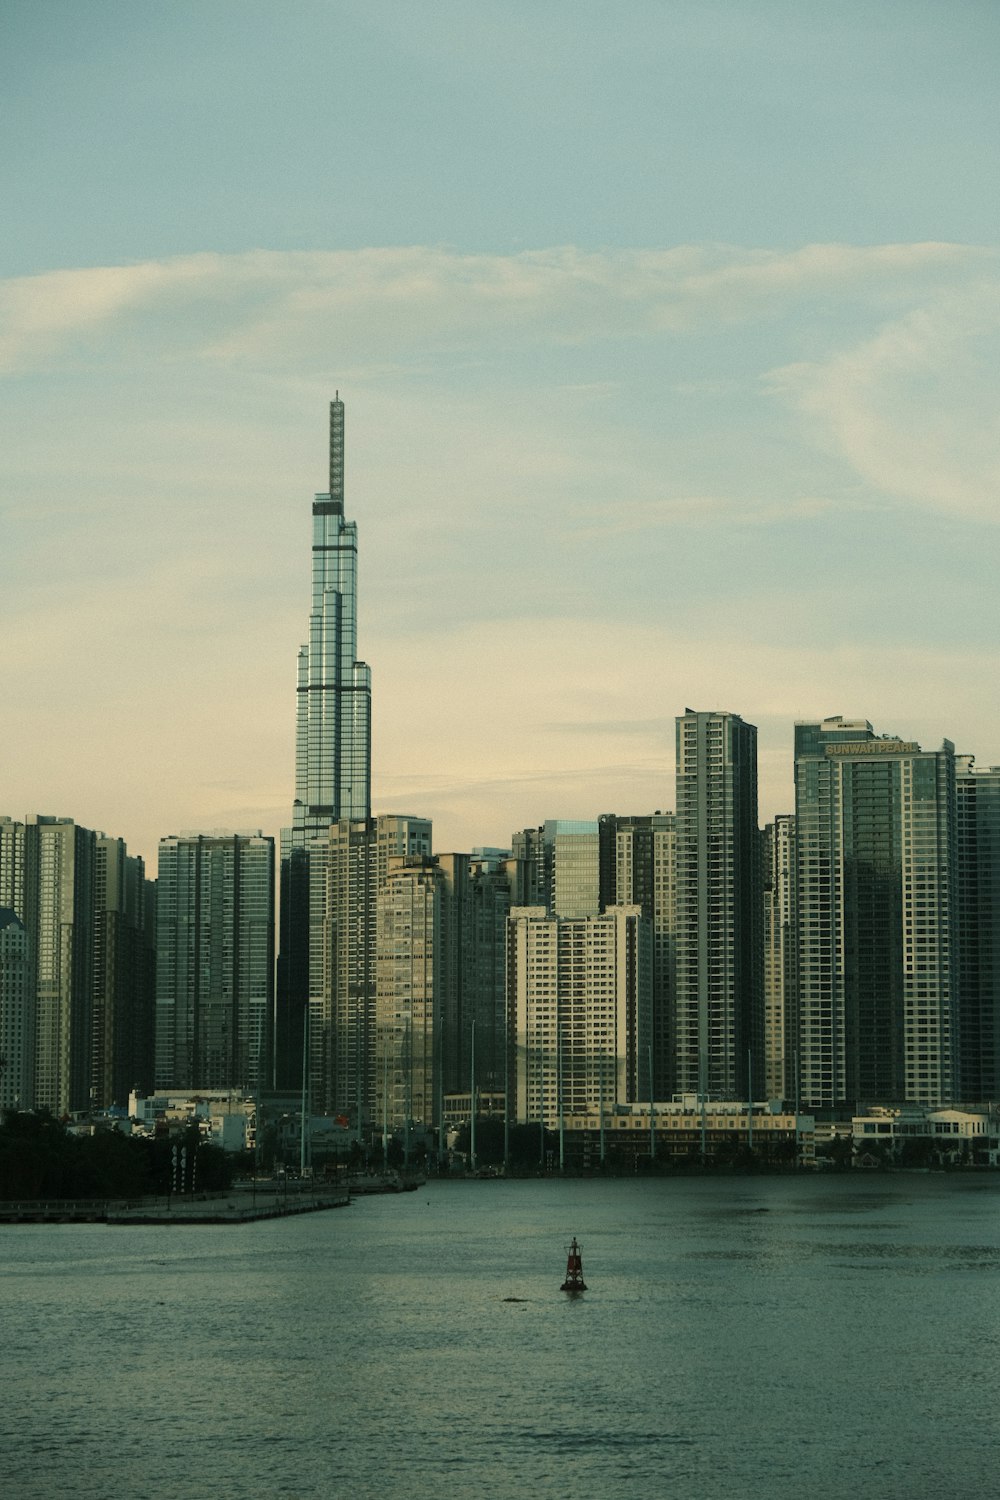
x: 668, y: 335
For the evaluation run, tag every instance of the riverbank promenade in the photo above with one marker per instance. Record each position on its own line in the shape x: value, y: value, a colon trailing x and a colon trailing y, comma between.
x: 244, y: 1204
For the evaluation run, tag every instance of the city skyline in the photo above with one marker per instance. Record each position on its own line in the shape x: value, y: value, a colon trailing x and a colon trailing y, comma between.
x: 671, y: 375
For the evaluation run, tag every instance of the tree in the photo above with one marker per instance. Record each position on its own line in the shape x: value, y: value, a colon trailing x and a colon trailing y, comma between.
x: 40, y: 1158
x: 489, y: 1140
x: 527, y: 1148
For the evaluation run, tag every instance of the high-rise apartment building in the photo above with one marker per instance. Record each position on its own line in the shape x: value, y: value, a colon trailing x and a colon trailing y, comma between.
x: 558, y: 866
x: 717, y: 1029
x: 214, y: 961
x: 455, y: 944
x: 17, y: 1000
x: 348, y: 868
x: 638, y: 856
x: 875, y: 820
x: 17, y: 1015
x: 474, y: 909
x: 578, y: 999
x: 59, y: 916
x: 122, y: 1040
x: 344, y: 883
x: 11, y: 864
x: 332, y: 741
x: 978, y: 896
x: 779, y: 930
x: 407, y: 954
x: 85, y: 908
x: 409, y: 971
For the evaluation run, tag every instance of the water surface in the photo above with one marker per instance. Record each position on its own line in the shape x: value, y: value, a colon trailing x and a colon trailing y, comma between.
x: 763, y: 1336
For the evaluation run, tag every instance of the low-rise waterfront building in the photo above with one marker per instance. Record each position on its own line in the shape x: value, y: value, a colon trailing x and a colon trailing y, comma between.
x: 457, y: 1108
x: 225, y: 1117
x: 911, y: 1134
x: 687, y: 1130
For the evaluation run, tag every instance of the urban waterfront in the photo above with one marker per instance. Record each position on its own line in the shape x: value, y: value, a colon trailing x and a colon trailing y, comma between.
x: 741, y: 1336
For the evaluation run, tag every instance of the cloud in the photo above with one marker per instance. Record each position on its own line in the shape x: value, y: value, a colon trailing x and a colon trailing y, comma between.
x: 367, y: 304
x: 915, y: 409
x: 591, y: 488
x: 887, y: 355
x: 41, y: 315
x: 703, y: 511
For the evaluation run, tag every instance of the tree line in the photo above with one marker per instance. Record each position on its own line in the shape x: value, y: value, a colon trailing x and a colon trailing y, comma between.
x: 41, y: 1158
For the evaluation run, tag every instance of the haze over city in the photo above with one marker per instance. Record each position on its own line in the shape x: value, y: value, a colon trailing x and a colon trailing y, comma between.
x: 669, y: 353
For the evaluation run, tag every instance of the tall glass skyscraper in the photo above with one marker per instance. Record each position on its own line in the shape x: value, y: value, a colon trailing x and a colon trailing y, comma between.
x: 333, y: 719
x: 332, y: 741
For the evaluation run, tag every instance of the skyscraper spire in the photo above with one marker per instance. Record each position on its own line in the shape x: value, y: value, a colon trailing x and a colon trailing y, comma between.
x: 337, y: 453
x: 332, y: 739
x: 333, y: 742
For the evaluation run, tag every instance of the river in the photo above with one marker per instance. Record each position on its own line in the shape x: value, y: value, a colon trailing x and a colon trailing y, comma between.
x: 795, y: 1338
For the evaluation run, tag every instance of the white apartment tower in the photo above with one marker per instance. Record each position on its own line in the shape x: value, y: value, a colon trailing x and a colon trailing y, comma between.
x: 578, y: 999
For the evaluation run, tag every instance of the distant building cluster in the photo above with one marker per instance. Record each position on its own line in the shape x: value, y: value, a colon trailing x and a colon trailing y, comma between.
x: 77, y: 966
x: 618, y: 977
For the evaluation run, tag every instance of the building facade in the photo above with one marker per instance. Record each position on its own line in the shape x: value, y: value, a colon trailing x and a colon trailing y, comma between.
x: 348, y: 868
x: 558, y: 866
x: 717, y: 1023
x: 875, y: 905
x: 475, y: 906
x: 123, y: 1018
x: 58, y: 907
x: 978, y: 955
x: 779, y: 1073
x: 409, y: 1096
x: 638, y: 868
x: 333, y: 695
x: 691, y: 1129
x: 578, y: 1003
x: 47, y: 880
x: 85, y: 906
x: 214, y: 961
x: 332, y: 738
x: 17, y: 1015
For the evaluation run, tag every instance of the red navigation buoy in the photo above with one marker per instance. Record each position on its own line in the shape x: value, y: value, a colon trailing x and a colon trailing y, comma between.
x: 574, y: 1270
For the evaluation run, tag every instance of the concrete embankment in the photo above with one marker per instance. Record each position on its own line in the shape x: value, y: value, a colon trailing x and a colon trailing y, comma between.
x: 180, y: 1208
